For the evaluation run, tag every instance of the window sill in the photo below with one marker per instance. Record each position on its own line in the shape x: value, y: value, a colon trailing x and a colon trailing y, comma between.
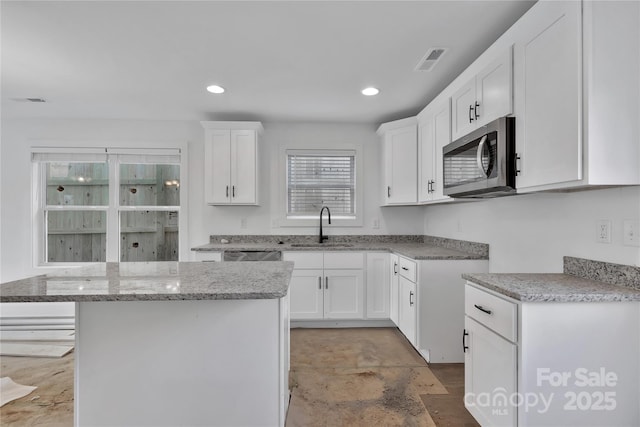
x: 315, y: 221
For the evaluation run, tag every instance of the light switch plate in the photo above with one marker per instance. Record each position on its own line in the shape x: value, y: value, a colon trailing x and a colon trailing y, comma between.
x: 631, y: 232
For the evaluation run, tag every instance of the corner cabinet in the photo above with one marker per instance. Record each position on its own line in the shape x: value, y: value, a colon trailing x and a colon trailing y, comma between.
x: 484, y: 98
x: 231, y: 162
x: 576, y: 97
x: 399, y: 162
x: 434, y: 132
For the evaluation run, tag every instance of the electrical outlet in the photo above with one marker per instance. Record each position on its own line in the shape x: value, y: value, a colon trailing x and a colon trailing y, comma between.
x: 243, y: 222
x: 375, y: 223
x: 603, y: 231
x: 631, y: 232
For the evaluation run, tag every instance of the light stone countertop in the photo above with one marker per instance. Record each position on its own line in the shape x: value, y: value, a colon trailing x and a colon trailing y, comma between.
x: 417, y: 251
x: 155, y: 281
x: 550, y: 287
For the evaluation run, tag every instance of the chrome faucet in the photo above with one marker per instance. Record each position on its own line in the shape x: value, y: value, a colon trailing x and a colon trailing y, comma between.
x: 323, y: 238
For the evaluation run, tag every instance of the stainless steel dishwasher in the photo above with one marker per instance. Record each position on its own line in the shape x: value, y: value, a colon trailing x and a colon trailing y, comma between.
x: 252, y: 256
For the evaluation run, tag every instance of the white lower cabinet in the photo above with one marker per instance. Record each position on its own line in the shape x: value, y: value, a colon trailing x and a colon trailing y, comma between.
x: 394, y: 288
x: 407, y: 311
x: 307, y: 294
x: 326, y: 285
x: 343, y: 294
x: 551, y: 363
x: 377, y: 286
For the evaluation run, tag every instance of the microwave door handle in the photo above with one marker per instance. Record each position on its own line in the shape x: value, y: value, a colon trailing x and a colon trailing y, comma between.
x: 483, y: 141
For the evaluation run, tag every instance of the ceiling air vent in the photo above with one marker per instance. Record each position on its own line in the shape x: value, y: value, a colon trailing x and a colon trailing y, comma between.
x: 29, y: 99
x: 429, y: 60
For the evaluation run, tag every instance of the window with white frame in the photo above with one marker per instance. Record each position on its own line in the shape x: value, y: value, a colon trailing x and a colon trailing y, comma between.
x: 107, y: 205
x: 317, y: 178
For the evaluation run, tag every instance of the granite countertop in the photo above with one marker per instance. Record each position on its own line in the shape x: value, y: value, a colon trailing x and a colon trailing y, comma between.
x: 417, y: 251
x: 155, y: 281
x: 550, y: 287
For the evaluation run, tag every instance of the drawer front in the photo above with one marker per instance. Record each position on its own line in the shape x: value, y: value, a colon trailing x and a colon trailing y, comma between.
x: 343, y: 260
x: 407, y: 269
x: 304, y: 259
x: 494, y: 312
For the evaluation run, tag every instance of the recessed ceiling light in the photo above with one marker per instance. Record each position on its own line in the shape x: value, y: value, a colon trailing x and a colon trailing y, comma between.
x: 215, y: 89
x: 370, y: 91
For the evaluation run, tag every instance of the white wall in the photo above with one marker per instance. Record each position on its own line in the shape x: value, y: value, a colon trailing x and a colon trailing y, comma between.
x: 531, y: 233
x: 15, y: 174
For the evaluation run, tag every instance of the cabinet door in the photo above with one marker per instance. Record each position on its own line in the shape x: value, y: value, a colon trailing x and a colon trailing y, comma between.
x: 378, y: 285
x: 462, y: 105
x: 217, y: 167
x: 426, y: 149
x: 494, y: 90
x: 408, y: 309
x: 401, y: 164
x: 394, y: 289
x: 548, y: 95
x: 306, y: 294
x: 489, y: 371
x: 243, y: 167
x: 442, y: 137
x: 343, y: 294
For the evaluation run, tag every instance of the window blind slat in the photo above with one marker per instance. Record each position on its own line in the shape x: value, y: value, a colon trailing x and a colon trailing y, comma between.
x: 316, y: 180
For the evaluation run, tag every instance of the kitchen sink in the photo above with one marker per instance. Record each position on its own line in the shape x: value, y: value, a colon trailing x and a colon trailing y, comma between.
x: 321, y: 245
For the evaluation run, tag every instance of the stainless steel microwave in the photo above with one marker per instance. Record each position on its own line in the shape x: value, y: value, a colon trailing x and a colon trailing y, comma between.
x: 482, y: 164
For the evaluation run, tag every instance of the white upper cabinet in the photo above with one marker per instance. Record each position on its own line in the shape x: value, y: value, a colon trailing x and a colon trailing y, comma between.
x: 486, y: 97
x: 231, y: 162
x: 434, y: 132
x: 399, y: 162
x: 577, y: 102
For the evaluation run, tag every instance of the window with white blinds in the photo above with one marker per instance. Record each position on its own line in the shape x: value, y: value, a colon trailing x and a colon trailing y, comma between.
x: 321, y: 178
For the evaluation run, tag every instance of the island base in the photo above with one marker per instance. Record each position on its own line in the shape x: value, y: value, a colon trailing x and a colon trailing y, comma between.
x: 168, y: 363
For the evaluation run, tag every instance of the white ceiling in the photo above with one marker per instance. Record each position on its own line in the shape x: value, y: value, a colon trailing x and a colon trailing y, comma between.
x: 278, y: 60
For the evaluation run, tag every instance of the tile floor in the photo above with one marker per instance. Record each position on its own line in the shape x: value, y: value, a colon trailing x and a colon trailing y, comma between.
x: 339, y: 377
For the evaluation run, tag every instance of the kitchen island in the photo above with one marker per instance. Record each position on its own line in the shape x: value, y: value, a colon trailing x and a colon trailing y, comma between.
x: 166, y: 344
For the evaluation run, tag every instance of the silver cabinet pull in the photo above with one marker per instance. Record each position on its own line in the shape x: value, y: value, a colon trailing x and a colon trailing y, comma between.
x: 319, y: 282
x: 233, y: 191
x: 388, y: 191
x: 470, y: 110
x: 326, y: 282
x: 227, y: 191
x: 395, y: 268
x: 411, y: 298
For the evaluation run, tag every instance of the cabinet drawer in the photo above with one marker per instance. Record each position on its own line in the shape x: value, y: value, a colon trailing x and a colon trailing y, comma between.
x: 494, y: 312
x: 341, y: 259
x: 407, y: 269
x: 304, y: 259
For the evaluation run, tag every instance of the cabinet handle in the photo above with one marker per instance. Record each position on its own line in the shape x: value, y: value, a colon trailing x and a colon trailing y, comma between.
x: 411, y: 298
x: 432, y: 184
x: 515, y: 164
x: 464, y: 343
x: 319, y: 282
x: 482, y: 309
x: 233, y: 191
x: 405, y: 268
x: 388, y: 191
x: 227, y: 191
x: 475, y: 110
x: 470, y: 111
x: 326, y: 282
x: 395, y: 268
